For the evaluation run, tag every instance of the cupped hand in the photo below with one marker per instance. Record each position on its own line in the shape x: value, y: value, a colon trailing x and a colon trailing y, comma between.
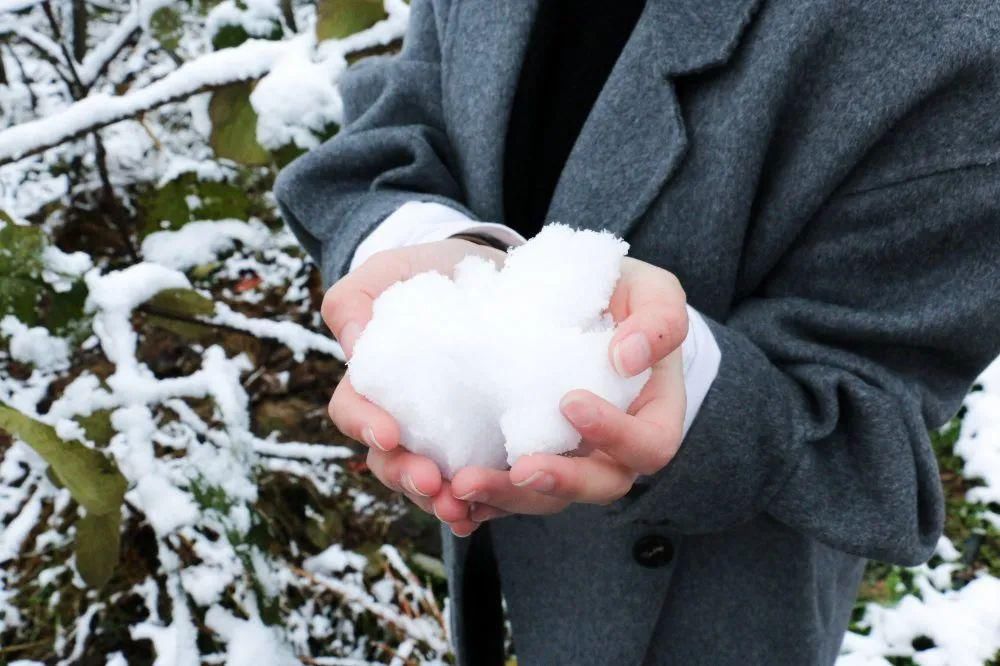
x: 648, y: 305
x: 347, y: 309
x: 617, y: 445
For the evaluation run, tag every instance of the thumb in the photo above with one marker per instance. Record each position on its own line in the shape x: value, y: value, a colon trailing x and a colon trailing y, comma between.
x: 650, y: 306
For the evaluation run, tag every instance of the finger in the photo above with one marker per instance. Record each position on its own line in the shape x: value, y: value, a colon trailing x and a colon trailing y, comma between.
x: 649, y: 305
x: 446, y: 507
x: 480, y: 513
x: 361, y: 419
x: 463, y: 528
x: 644, y: 443
x: 423, y: 503
x: 403, y: 471
x: 347, y: 305
x: 492, y: 486
x: 595, y: 479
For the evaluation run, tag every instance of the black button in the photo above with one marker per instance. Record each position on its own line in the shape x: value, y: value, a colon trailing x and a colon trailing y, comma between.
x: 653, y: 550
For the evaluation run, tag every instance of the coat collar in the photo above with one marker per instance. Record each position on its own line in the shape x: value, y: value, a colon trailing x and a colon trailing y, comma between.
x: 634, y: 138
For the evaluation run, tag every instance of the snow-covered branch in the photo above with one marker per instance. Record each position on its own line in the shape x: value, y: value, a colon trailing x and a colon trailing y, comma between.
x: 247, y: 61
x: 250, y: 60
x: 17, y: 5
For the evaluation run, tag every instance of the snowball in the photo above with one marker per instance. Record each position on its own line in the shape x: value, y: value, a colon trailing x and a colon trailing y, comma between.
x: 473, y: 368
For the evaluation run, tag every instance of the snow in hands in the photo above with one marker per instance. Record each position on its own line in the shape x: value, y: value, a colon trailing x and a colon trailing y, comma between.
x: 473, y: 367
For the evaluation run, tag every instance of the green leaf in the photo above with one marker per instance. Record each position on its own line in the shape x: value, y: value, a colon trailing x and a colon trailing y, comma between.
x: 21, y: 285
x: 167, y: 208
x: 182, y: 303
x: 166, y: 25
x: 91, y: 477
x: 97, y: 426
x: 336, y: 19
x: 234, y: 126
x: 98, y: 540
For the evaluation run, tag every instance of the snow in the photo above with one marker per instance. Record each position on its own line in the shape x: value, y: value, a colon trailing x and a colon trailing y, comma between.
x: 250, y: 642
x: 310, y: 85
x: 34, y: 345
x: 62, y: 269
x: 247, y: 61
x: 334, y: 560
x: 253, y: 59
x: 473, y: 368
x: 964, y: 625
x: 200, y: 242
x: 979, y: 441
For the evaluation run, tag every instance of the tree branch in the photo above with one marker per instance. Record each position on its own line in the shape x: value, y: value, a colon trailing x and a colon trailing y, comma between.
x: 248, y: 61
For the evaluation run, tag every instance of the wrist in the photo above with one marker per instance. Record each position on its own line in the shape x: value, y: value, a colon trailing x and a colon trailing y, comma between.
x: 481, y: 240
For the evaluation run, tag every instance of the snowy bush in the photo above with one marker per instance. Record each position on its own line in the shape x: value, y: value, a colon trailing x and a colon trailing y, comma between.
x: 171, y: 490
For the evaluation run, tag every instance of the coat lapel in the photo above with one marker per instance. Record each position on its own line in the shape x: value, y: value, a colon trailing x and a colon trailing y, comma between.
x: 634, y: 138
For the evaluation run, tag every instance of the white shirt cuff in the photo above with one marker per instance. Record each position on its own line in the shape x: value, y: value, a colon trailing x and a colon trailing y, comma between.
x: 424, y: 222
x: 427, y: 221
x: 701, y: 357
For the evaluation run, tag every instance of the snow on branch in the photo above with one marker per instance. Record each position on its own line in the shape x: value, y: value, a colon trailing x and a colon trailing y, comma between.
x: 17, y: 5
x: 248, y: 61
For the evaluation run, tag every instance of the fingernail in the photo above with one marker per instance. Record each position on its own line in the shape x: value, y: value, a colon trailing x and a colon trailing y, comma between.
x: 579, y: 412
x: 481, y: 514
x: 410, y: 485
x: 541, y: 481
x: 473, y: 496
x: 458, y: 534
x: 349, y: 335
x: 631, y: 355
x: 368, y: 435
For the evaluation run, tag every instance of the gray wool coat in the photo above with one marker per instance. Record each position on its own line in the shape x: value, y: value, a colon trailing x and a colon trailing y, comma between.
x: 824, y: 178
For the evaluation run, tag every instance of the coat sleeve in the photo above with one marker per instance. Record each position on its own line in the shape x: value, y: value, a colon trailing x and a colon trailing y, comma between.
x: 392, y: 148
x: 871, y: 329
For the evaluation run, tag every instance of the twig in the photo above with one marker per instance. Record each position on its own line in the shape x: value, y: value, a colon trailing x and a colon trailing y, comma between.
x: 46, y: 49
x: 145, y: 125
x: 111, y: 205
x: 20, y: 647
x: 77, y: 90
x: 24, y: 77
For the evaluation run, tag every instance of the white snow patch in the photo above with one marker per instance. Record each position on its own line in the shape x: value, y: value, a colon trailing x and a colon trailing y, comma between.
x: 200, y: 242
x: 34, y: 345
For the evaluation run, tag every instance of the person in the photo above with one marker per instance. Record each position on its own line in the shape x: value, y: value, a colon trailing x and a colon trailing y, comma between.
x: 811, y: 191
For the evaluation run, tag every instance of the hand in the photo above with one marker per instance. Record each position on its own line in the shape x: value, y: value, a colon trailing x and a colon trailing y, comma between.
x: 347, y: 309
x: 649, y: 306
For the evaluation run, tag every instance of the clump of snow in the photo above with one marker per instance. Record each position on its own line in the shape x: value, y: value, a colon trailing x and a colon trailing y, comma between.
x: 34, y: 345
x: 199, y: 242
x: 473, y: 368
x: 249, y: 642
x: 61, y: 269
x: 334, y: 560
x: 979, y: 442
x: 297, y: 99
x: 964, y: 626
